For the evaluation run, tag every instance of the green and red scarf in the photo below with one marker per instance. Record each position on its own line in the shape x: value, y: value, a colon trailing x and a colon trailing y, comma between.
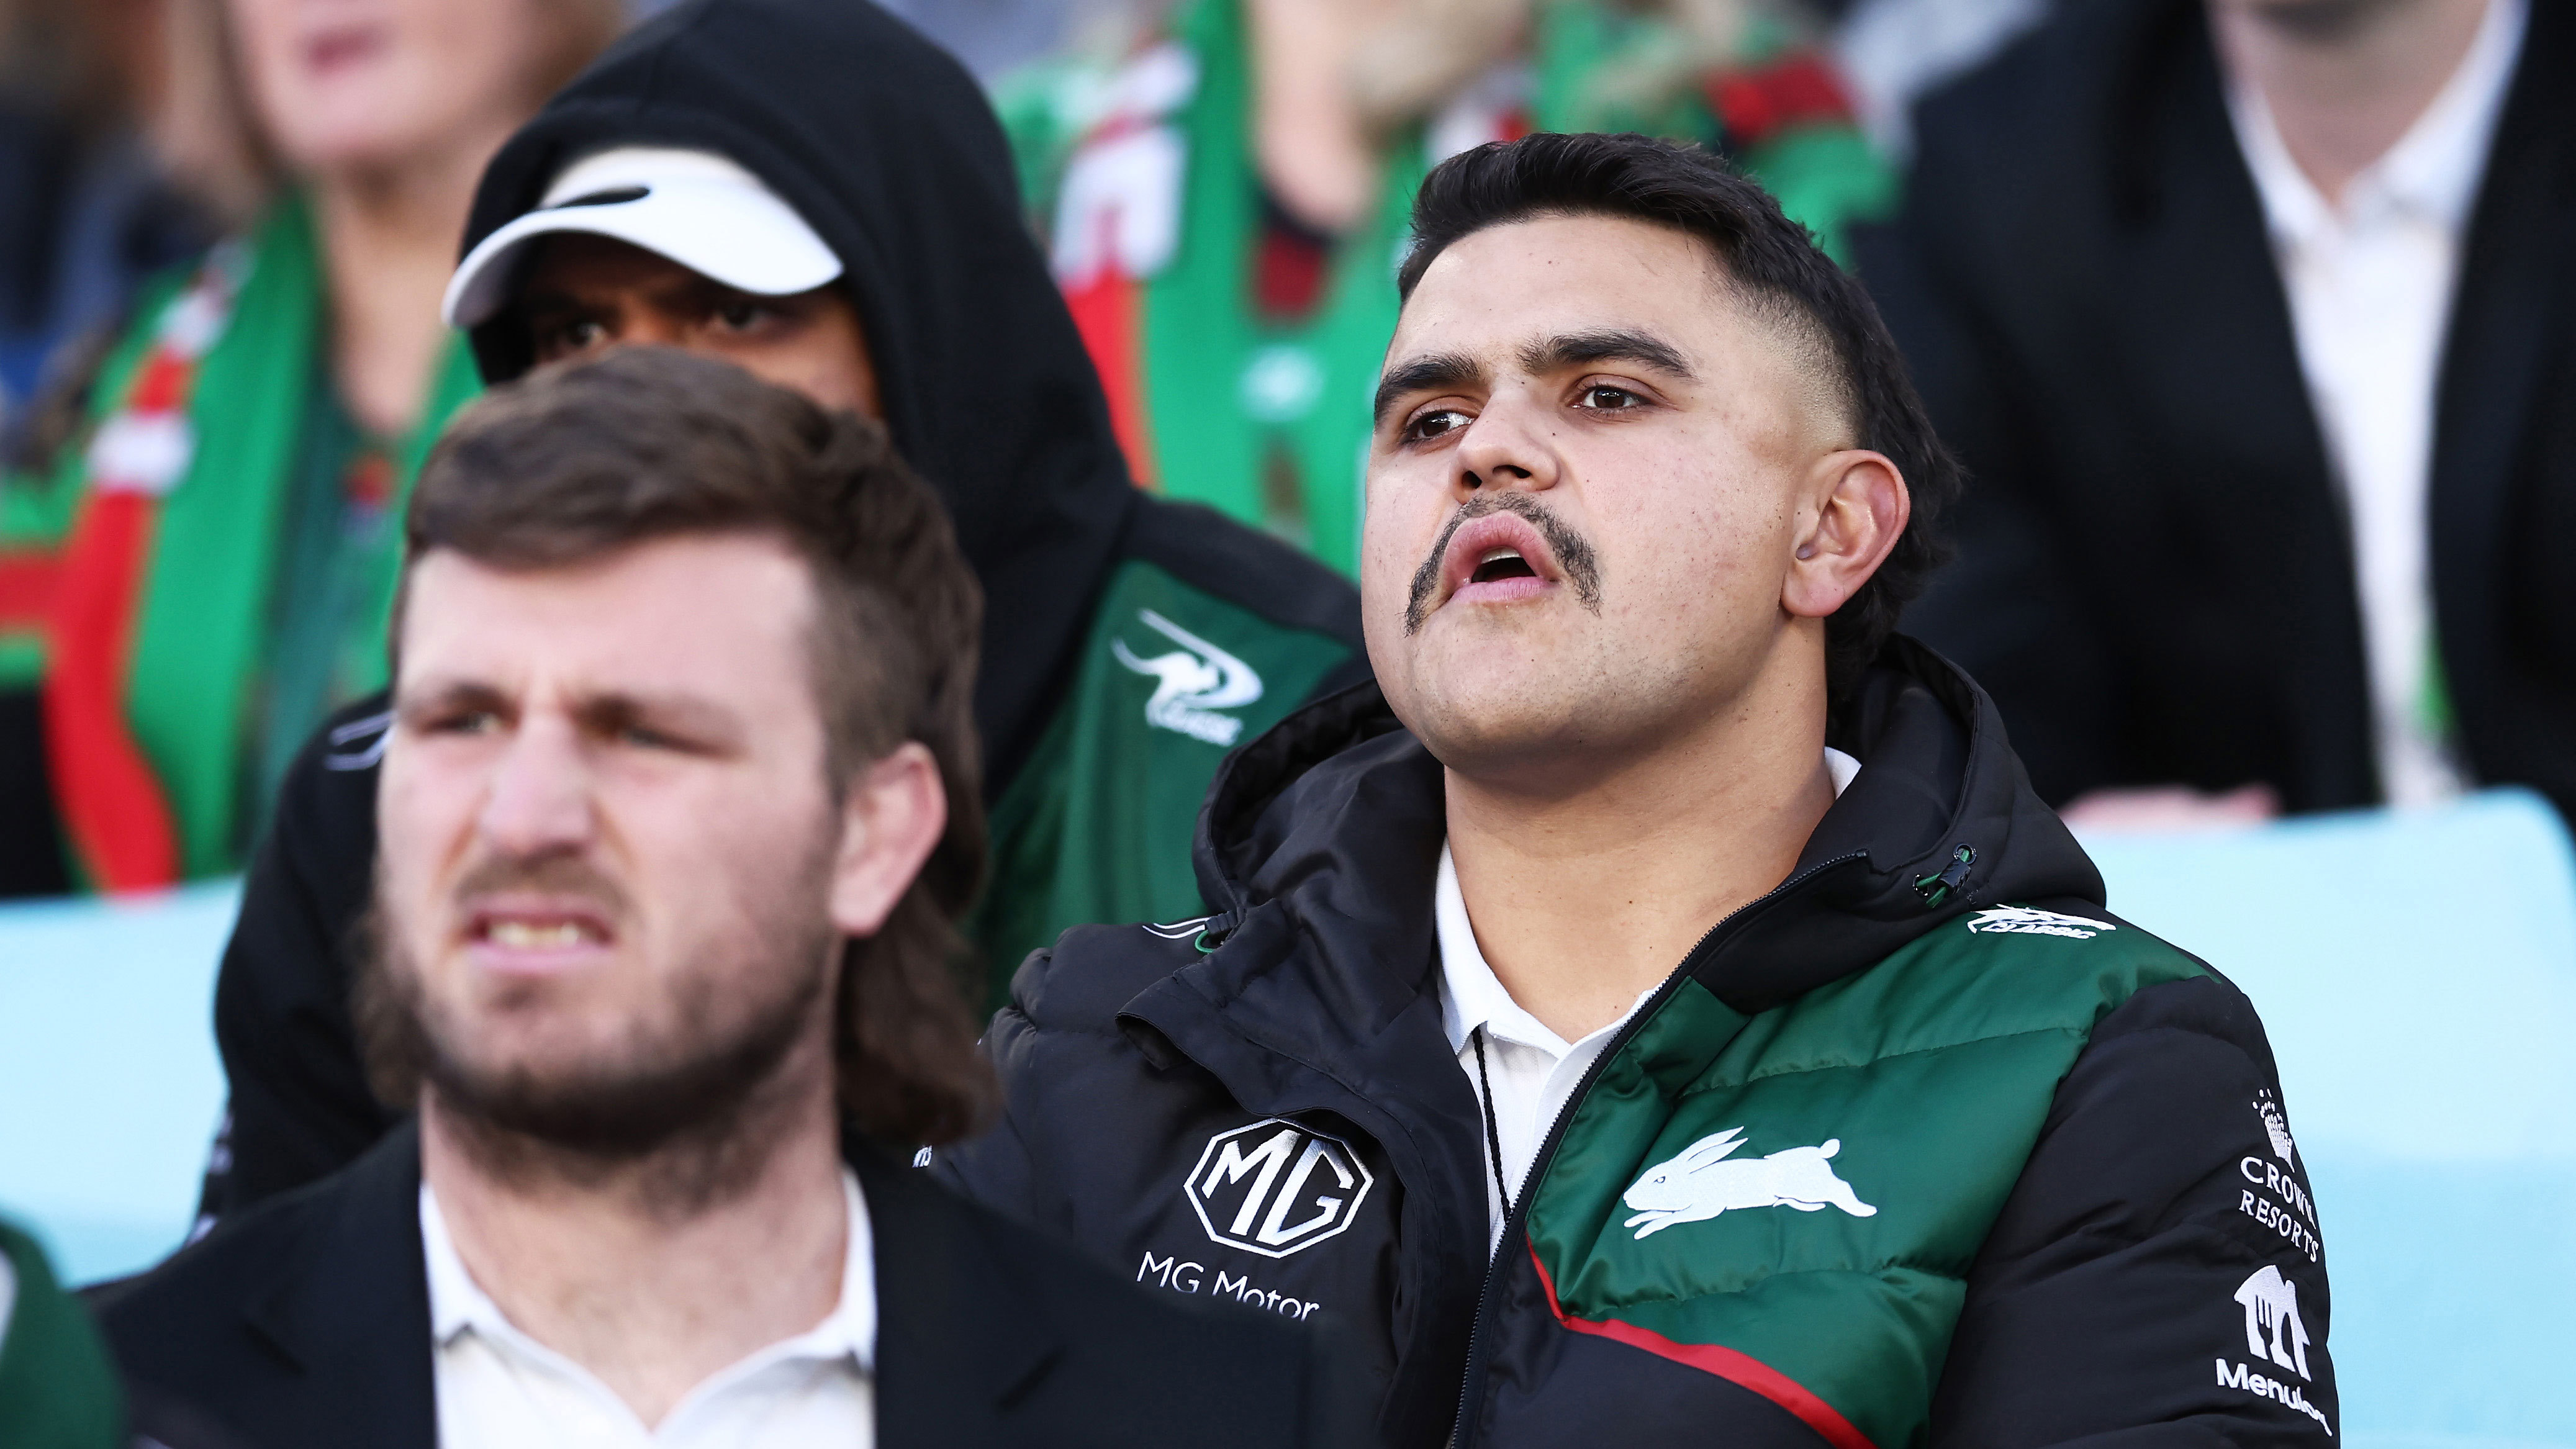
x: 146, y: 562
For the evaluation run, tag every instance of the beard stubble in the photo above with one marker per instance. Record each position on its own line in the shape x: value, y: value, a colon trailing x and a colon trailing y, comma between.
x: 689, y: 1098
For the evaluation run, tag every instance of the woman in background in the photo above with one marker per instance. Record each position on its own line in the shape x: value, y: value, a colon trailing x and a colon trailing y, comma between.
x: 221, y: 536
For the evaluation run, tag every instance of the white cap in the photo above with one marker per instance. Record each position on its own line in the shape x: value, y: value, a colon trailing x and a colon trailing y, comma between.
x: 695, y: 207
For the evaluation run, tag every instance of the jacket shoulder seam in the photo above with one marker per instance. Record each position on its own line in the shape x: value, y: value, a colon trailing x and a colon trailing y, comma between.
x: 2061, y: 1029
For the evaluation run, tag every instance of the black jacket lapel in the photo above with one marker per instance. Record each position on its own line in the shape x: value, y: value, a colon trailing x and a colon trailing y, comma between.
x: 957, y: 1340
x: 2207, y: 328
x: 2509, y: 311
x: 352, y: 1315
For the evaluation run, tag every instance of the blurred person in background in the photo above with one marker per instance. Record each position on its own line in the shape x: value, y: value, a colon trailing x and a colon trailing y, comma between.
x: 57, y: 1390
x: 1226, y: 196
x: 808, y: 189
x: 219, y: 532
x: 2251, y: 321
x: 86, y: 217
x: 994, y: 38
x: 85, y: 210
x: 1894, y: 52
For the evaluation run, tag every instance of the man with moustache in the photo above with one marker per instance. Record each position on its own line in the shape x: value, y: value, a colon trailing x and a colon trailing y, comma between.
x: 677, y: 818
x: 1658, y: 1011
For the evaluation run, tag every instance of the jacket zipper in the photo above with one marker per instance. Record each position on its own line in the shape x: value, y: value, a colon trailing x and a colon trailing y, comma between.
x: 1512, y: 1224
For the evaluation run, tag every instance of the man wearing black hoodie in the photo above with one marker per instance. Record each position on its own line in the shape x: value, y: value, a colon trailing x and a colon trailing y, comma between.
x: 810, y: 189
x: 1665, y: 1015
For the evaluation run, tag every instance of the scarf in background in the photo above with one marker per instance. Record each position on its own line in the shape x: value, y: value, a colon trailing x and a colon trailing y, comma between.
x: 159, y: 605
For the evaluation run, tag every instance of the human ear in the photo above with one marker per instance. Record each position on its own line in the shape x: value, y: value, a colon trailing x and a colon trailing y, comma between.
x: 892, y: 816
x: 1858, y: 512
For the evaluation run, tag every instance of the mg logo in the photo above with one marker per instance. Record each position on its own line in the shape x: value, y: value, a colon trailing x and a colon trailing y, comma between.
x: 1276, y: 1188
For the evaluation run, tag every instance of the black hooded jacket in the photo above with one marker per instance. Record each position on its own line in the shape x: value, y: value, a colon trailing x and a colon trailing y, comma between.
x: 2071, y: 1233
x: 888, y: 150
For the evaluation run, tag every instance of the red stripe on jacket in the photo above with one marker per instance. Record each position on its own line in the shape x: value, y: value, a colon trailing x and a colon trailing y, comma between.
x: 1741, y: 1369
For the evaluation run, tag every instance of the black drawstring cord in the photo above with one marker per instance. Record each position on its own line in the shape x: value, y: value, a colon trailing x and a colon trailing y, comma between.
x: 1493, y: 1138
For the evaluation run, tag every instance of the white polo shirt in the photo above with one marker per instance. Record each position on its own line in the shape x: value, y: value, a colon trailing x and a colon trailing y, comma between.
x: 500, y: 1389
x: 1531, y: 1070
x: 2370, y: 283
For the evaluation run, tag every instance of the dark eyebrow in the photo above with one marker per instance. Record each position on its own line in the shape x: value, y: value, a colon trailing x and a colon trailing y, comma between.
x: 1438, y: 371
x: 708, y: 724
x: 603, y: 713
x: 1611, y: 344
x: 448, y: 694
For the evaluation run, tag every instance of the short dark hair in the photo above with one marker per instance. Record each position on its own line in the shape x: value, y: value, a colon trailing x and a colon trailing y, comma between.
x: 581, y: 460
x: 1775, y: 265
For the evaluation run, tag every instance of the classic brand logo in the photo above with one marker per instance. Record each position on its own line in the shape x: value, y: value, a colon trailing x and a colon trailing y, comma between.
x: 2023, y: 921
x: 1699, y: 1183
x: 1276, y: 1188
x: 1193, y: 682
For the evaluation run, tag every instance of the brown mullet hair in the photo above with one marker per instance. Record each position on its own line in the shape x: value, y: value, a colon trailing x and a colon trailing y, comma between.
x: 578, y: 461
x: 1774, y: 265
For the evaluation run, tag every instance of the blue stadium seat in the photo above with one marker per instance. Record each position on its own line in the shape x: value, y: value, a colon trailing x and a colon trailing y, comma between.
x: 2417, y: 974
x: 110, y: 1088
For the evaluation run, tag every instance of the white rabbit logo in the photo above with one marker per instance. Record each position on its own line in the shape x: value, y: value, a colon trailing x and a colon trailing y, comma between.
x: 1699, y: 1183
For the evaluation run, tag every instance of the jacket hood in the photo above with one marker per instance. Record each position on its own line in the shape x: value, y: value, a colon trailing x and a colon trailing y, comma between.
x: 889, y: 151
x: 1338, y: 810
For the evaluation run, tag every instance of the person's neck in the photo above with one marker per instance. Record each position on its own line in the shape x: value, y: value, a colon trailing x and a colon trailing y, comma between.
x: 655, y: 1273
x: 1588, y: 889
x: 2344, y: 79
x: 388, y: 237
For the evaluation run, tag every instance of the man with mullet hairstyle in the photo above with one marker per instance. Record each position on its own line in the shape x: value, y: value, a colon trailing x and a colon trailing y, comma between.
x: 676, y: 820
x: 812, y: 191
x: 1658, y: 1011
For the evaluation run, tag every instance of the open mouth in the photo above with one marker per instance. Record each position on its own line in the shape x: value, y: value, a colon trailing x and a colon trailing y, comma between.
x: 1497, y: 555
x: 517, y: 935
x: 1498, y: 558
x: 1501, y: 563
x: 537, y: 937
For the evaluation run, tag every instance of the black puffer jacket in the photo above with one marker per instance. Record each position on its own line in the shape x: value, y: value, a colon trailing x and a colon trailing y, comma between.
x: 2074, y: 1182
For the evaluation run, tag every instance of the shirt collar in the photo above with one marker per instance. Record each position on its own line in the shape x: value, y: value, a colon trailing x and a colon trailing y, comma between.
x: 2434, y: 169
x: 851, y: 1328
x: 457, y: 1303
x: 1472, y: 995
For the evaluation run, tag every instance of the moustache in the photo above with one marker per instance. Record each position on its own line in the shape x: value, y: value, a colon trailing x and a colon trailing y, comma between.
x: 1574, y: 555
x: 555, y: 875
